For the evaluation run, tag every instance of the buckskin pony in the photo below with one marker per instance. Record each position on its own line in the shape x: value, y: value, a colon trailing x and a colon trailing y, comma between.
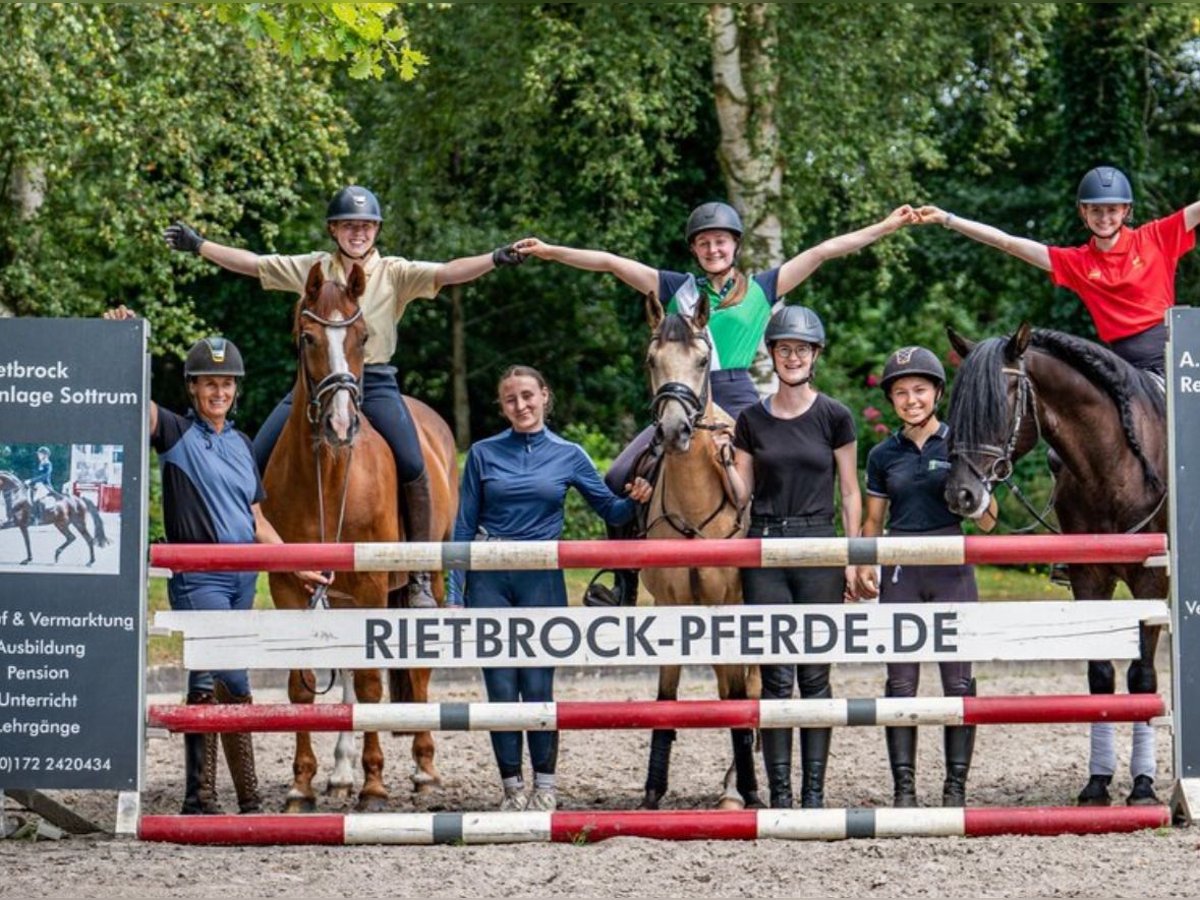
x: 690, y: 501
x: 1105, y: 422
x: 332, y: 477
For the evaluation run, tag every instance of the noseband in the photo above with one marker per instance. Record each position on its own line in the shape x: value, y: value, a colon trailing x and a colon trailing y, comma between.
x: 321, y: 393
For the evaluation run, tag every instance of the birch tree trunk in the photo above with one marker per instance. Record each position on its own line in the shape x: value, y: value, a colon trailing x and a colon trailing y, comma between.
x: 746, y: 91
x: 458, y: 368
x: 26, y: 194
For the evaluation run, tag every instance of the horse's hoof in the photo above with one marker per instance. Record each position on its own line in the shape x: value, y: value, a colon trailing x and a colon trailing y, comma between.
x: 423, y: 787
x: 730, y: 803
x: 650, y: 801
x: 26, y: 562
x: 753, y: 801
x: 371, y: 804
x: 339, y: 791
x: 299, y: 805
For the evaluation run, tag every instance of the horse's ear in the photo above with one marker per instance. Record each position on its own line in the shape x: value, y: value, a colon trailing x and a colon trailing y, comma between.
x: 962, y: 345
x: 357, y: 283
x: 654, y: 311
x: 312, y: 286
x: 700, y: 317
x: 1015, y: 348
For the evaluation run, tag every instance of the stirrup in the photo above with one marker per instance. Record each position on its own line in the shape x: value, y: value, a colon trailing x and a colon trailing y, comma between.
x: 420, y: 591
x: 600, y: 595
x: 1060, y: 575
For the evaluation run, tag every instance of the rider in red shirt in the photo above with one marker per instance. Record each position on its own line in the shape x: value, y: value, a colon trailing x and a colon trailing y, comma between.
x: 1124, y: 276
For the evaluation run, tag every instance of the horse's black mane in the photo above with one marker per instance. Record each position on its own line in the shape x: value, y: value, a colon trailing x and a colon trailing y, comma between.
x: 981, y: 388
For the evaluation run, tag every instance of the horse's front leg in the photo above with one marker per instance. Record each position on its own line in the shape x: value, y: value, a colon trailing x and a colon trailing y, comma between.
x: 28, y: 552
x: 373, y: 797
x: 741, y: 780
x: 658, y: 773
x: 1097, y: 583
x: 425, y: 775
x: 300, y: 798
x: 1142, y: 678
x: 341, y: 779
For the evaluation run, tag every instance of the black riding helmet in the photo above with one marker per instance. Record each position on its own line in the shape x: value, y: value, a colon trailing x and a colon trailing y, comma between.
x: 354, y: 202
x: 1104, y: 184
x: 213, y: 356
x: 795, y: 323
x: 910, y: 361
x: 714, y: 217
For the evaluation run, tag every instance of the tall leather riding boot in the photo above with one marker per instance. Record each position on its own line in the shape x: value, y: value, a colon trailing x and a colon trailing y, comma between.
x: 200, y: 766
x: 239, y: 756
x: 902, y: 754
x: 777, y: 760
x: 418, y: 506
x: 814, y: 754
x: 960, y: 747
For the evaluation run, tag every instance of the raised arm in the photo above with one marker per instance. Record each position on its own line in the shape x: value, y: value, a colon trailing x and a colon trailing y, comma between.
x: 799, y: 267
x: 182, y: 237
x: 468, y: 268
x: 639, y: 276
x: 1191, y: 216
x: 1024, y: 249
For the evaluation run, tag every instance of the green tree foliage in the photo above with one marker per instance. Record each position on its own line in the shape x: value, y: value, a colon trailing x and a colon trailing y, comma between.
x: 133, y: 116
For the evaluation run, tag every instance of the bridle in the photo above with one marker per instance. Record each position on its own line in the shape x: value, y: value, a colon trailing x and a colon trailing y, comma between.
x: 320, y: 395
x: 694, y: 407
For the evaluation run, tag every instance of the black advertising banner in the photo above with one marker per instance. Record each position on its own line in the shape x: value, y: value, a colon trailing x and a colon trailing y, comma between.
x: 73, y: 448
x: 1183, y: 422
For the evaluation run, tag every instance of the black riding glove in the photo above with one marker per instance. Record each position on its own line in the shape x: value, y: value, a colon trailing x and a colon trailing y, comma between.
x: 507, y: 256
x: 181, y: 236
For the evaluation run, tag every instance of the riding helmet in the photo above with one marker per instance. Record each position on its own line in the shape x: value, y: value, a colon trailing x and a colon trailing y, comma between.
x: 43, y: 449
x: 354, y: 202
x: 795, y: 323
x: 912, y: 361
x: 714, y: 217
x: 1104, y: 184
x: 213, y: 356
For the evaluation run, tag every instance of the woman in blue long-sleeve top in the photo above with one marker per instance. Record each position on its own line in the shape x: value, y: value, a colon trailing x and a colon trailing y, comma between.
x: 513, y: 489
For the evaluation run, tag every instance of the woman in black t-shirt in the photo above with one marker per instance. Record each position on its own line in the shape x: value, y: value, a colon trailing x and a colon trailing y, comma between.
x: 793, y: 450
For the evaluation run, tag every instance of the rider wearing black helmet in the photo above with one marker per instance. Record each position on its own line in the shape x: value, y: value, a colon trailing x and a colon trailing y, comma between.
x: 740, y: 305
x: 793, y: 450
x: 1125, y: 276
x: 353, y: 219
x: 906, y: 479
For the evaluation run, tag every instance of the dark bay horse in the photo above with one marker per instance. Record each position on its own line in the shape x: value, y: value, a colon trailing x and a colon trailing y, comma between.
x: 690, y: 500
x: 1106, y: 422
x: 62, y: 511
x: 332, y: 477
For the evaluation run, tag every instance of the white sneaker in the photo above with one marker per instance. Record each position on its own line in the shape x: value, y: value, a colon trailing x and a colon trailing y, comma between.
x: 515, y: 800
x: 543, y: 800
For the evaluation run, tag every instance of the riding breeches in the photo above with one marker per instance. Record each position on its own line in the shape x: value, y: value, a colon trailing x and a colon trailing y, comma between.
x: 508, y: 590
x: 732, y: 390
x: 929, y: 584
x: 215, y: 591
x: 793, y: 585
x: 384, y: 408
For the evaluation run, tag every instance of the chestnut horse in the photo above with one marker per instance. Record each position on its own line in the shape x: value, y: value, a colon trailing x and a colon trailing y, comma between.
x: 690, y: 501
x: 60, y: 510
x: 1106, y: 423
x: 332, y: 477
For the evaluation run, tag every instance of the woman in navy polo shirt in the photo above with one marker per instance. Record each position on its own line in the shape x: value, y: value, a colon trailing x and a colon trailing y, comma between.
x: 906, y: 478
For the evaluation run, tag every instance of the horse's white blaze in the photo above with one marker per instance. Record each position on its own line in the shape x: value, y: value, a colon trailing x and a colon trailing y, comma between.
x: 339, y: 408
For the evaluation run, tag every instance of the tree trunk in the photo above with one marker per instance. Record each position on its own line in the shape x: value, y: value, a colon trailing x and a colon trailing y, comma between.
x: 746, y: 90
x: 26, y: 194
x: 458, y: 368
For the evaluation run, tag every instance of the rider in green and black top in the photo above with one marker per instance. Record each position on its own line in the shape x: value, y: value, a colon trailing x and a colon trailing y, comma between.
x: 741, y: 304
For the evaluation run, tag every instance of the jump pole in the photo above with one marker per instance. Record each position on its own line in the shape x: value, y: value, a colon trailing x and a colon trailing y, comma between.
x: 599, y: 715
x: 676, y: 825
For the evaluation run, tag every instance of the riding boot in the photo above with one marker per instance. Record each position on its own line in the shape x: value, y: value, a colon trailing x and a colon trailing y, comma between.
x: 624, y: 591
x: 814, y: 754
x: 239, y: 755
x: 200, y: 766
x: 777, y: 760
x: 418, y: 503
x: 902, y: 754
x: 960, y: 747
